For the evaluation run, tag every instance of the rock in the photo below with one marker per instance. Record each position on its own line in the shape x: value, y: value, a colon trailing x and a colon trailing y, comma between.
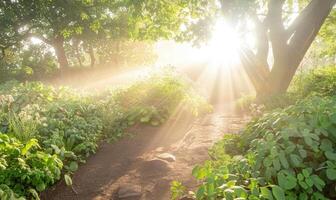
x: 167, y: 157
x: 127, y: 191
x: 154, y: 167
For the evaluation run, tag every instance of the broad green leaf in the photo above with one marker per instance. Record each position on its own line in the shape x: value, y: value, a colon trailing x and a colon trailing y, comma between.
x: 326, y: 145
x: 67, y: 179
x: 283, y: 160
x: 286, y: 181
x: 73, y: 166
x: 31, y: 143
x: 318, y: 182
x: 330, y: 155
x: 278, y: 193
x: 295, y: 160
x: 34, y: 194
x: 266, y: 193
x: 331, y: 174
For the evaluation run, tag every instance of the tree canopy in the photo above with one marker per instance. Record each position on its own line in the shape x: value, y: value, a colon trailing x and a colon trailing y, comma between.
x: 284, y: 29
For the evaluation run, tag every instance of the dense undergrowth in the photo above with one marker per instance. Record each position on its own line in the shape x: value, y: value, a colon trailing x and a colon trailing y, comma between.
x: 315, y: 82
x: 285, y: 153
x: 47, y: 132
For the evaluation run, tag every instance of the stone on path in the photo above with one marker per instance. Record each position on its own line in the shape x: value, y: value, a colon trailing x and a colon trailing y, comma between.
x: 154, y: 167
x: 128, y: 191
x: 167, y: 157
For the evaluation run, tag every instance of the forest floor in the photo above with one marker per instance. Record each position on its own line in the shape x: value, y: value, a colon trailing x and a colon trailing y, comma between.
x: 143, y: 165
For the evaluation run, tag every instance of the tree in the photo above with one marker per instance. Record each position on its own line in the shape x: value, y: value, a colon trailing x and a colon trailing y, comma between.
x: 277, y: 34
x: 57, y: 22
x: 54, y: 22
x: 289, y: 44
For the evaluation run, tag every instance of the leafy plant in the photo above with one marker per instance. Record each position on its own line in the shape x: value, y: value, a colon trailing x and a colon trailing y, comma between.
x: 24, y: 169
x: 177, y: 189
x: 285, y: 154
x: 45, y: 130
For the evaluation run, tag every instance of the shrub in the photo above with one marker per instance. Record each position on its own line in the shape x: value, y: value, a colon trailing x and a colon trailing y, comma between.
x: 319, y: 81
x: 149, y: 101
x: 285, y: 154
x: 24, y: 169
x: 249, y: 104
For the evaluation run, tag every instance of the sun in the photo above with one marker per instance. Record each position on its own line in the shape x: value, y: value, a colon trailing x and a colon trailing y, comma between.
x: 223, y: 47
x: 221, y: 50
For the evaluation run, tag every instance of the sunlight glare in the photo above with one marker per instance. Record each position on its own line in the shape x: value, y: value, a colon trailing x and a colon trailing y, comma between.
x: 222, y: 49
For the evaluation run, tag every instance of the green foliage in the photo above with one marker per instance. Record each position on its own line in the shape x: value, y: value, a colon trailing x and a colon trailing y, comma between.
x: 44, y: 130
x: 327, y: 37
x: 177, y: 189
x: 285, y: 154
x: 320, y: 81
x: 254, y: 106
x: 126, y: 53
x: 150, y: 101
x: 24, y: 168
x: 71, y: 26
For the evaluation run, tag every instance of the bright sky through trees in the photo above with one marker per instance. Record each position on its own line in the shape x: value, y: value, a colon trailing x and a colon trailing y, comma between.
x: 222, y: 50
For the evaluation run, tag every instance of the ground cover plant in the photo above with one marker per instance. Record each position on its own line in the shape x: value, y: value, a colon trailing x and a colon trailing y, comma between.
x: 285, y: 154
x: 319, y: 81
x: 47, y: 132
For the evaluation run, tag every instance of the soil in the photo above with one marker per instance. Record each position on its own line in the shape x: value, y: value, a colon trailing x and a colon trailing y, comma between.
x: 148, y: 160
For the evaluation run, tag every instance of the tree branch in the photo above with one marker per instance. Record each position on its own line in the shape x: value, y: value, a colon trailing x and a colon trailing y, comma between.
x: 276, y: 27
x: 308, y: 27
x: 262, y: 40
x: 291, y: 29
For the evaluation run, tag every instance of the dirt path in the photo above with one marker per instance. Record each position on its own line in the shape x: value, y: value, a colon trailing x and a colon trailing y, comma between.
x: 142, y: 167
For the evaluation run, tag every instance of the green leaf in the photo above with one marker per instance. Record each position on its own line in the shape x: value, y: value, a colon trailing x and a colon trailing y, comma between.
x: 145, y: 119
x: 326, y: 145
x: 309, y: 182
x: 286, y: 180
x: 67, y: 179
x: 303, y: 185
x: 295, y: 160
x: 303, y: 196
x: 41, y: 186
x: 155, y: 123
x: 305, y: 173
x: 34, y: 193
x: 73, y: 166
x: 331, y: 174
x: 303, y: 153
x: 276, y: 164
x: 31, y: 143
x: 283, y: 160
x: 333, y: 118
x: 278, y: 193
x: 199, y: 172
x: 318, y: 182
x: 330, y: 155
x: 266, y: 193
x: 267, y: 162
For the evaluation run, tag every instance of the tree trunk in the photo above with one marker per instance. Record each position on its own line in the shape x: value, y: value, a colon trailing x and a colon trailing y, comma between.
x: 60, y: 53
x: 92, y: 56
x: 288, y: 45
x: 76, y: 43
x: 308, y: 27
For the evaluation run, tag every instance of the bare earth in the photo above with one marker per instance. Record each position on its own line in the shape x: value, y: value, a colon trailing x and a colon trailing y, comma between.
x: 142, y: 166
